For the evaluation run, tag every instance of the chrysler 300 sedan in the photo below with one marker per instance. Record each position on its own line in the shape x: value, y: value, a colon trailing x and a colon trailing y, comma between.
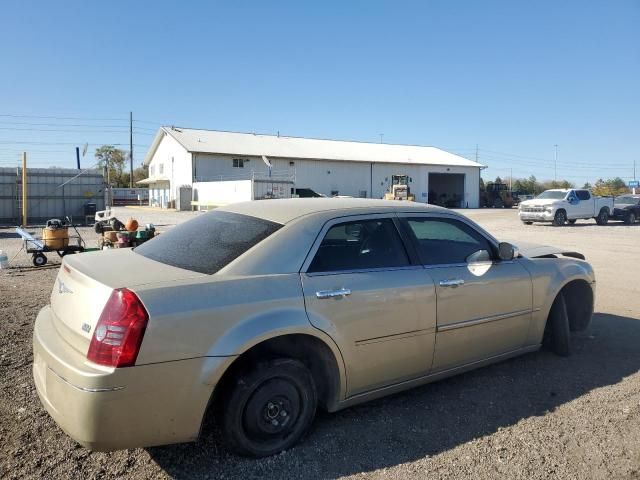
x: 262, y: 312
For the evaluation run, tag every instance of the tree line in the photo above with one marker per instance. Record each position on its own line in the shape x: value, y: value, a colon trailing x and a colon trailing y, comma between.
x: 113, y: 161
x: 532, y: 186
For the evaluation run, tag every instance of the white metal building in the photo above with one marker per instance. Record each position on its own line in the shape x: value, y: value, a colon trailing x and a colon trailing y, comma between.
x: 180, y: 157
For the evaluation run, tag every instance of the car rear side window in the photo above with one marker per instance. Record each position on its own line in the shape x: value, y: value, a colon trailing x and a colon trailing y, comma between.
x: 583, y: 194
x: 208, y: 242
x: 444, y: 241
x: 363, y: 244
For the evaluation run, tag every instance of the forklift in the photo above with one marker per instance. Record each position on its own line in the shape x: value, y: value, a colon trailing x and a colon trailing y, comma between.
x: 399, y: 189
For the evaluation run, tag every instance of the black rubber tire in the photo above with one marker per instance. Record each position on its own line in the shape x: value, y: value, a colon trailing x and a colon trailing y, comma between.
x: 560, y: 218
x: 630, y: 219
x: 572, y: 222
x: 281, y: 387
x: 498, y: 203
x: 39, y: 260
x: 603, y: 217
x: 557, y: 335
x: 528, y: 223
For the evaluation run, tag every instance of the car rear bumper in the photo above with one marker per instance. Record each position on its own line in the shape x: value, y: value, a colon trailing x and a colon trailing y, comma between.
x: 109, y: 409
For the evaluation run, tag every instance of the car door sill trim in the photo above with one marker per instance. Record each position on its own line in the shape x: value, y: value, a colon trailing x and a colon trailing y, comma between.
x: 479, y: 321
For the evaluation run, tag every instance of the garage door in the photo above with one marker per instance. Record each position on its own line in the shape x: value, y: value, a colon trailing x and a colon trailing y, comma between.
x: 446, y: 189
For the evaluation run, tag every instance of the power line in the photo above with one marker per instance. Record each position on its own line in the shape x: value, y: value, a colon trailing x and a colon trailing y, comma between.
x: 65, y: 118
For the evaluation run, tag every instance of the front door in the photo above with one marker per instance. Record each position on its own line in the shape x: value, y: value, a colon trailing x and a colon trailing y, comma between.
x: 484, y: 304
x: 362, y: 290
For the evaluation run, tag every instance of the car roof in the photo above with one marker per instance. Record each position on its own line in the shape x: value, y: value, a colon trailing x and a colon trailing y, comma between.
x: 287, y: 209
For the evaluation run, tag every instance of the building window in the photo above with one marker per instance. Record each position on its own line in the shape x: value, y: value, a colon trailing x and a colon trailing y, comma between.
x: 161, y: 169
x: 151, y: 170
x: 238, y: 163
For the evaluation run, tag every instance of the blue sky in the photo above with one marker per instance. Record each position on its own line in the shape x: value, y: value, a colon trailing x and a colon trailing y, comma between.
x: 514, y: 78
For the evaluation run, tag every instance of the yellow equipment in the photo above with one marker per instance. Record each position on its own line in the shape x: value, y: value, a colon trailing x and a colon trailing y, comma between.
x: 400, y: 189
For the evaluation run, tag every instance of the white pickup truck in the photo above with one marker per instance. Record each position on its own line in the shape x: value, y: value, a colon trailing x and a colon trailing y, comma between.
x: 566, y: 205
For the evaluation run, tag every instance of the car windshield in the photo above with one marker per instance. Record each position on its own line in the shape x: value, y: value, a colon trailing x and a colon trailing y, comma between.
x: 553, y: 194
x: 626, y: 200
x: 208, y: 242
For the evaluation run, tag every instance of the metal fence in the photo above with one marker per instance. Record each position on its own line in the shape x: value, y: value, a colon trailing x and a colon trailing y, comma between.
x: 51, y: 193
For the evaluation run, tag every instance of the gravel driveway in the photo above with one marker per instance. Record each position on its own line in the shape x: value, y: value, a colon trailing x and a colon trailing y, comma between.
x: 537, y: 416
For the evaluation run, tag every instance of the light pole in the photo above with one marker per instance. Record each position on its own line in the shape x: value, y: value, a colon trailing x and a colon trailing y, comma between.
x: 555, y: 164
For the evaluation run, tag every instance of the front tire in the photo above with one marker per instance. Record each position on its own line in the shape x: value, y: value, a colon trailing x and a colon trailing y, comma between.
x: 528, y: 223
x: 268, y: 408
x: 560, y: 218
x: 557, y: 334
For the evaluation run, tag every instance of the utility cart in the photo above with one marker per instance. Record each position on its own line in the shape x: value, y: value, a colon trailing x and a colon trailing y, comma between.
x: 62, y: 245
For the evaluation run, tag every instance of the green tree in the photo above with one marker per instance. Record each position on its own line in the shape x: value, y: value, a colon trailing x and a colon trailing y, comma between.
x: 139, y: 173
x: 113, y: 159
x: 612, y: 186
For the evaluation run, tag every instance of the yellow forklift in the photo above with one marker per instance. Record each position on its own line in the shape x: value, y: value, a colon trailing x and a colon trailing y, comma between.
x: 399, y: 189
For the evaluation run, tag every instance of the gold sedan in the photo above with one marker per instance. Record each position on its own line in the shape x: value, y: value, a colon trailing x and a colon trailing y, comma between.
x: 264, y: 311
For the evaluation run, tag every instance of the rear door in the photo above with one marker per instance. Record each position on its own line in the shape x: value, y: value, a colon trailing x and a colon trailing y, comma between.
x: 361, y: 288
x: 484, y: 305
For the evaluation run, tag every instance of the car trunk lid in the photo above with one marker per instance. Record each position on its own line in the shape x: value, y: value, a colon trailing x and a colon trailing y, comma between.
x: 85, y: 282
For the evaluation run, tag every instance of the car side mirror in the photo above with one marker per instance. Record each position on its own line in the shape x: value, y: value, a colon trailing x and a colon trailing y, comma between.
x: 506, y: 251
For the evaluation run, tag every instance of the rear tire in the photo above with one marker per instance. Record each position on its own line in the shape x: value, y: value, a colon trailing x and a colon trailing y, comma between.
x: 603, y: 217
x: 268, y: 408
x: 630, y: 219
x: 557, y: 334
x: 560, y: 218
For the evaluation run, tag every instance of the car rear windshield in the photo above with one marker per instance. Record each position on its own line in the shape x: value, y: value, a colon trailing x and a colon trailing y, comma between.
x: 209, y: 242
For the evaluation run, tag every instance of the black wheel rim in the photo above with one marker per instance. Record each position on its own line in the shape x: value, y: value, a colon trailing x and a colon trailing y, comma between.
x: 561, y: 218
x: 272, y: 412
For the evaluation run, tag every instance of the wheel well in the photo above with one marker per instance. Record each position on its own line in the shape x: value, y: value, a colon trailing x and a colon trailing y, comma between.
x: 578, y: 297
x: 311, y: 351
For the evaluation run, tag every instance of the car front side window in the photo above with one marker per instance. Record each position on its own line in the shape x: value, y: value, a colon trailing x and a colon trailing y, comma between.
x: 445, y: 241
x: 363, y: 244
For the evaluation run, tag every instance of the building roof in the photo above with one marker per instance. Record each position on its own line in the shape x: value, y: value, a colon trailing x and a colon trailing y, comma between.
x: 287, y: 209
x: 250, y: 144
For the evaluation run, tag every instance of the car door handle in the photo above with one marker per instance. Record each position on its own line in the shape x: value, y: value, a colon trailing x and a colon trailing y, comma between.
x: 451, y: 283
x: 343, y: 292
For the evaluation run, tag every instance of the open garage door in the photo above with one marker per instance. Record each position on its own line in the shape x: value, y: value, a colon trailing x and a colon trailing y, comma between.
x: 447, y: 189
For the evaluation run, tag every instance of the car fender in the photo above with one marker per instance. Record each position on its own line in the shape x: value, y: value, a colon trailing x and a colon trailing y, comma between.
x: 550, y: 276
x: 265, y: 326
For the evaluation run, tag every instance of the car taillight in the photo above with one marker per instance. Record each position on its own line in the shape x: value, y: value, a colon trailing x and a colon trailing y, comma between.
x: 118, y: 334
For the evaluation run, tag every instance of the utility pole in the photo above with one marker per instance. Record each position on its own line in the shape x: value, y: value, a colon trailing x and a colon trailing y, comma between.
x: 24, y: 189
x: 476, y: 153
x: 555, y: 164
x: 511, y: 179
x: 381, y: 135
x: 131, y: 149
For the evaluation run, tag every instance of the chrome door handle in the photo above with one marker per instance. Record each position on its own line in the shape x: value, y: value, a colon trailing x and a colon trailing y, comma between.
x: 343, y: 292
x: 452, y: 283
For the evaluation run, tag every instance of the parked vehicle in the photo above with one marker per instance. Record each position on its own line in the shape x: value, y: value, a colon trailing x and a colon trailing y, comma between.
x: 627, y: 208
x: 560, y: 206
x: 262, y: 312
x: 497, y: 195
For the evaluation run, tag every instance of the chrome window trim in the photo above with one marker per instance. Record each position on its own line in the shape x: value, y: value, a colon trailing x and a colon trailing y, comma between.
x: 363, y: 270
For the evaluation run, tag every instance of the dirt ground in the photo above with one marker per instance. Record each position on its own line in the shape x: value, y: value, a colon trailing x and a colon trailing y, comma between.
x: 536, y: 416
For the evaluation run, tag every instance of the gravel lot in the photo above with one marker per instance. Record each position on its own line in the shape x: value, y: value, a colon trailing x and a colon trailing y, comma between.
x: 537, y: 416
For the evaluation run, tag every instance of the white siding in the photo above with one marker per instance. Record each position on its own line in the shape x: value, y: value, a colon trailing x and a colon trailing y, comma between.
x: 323, y: 176
x: 175, y: 163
